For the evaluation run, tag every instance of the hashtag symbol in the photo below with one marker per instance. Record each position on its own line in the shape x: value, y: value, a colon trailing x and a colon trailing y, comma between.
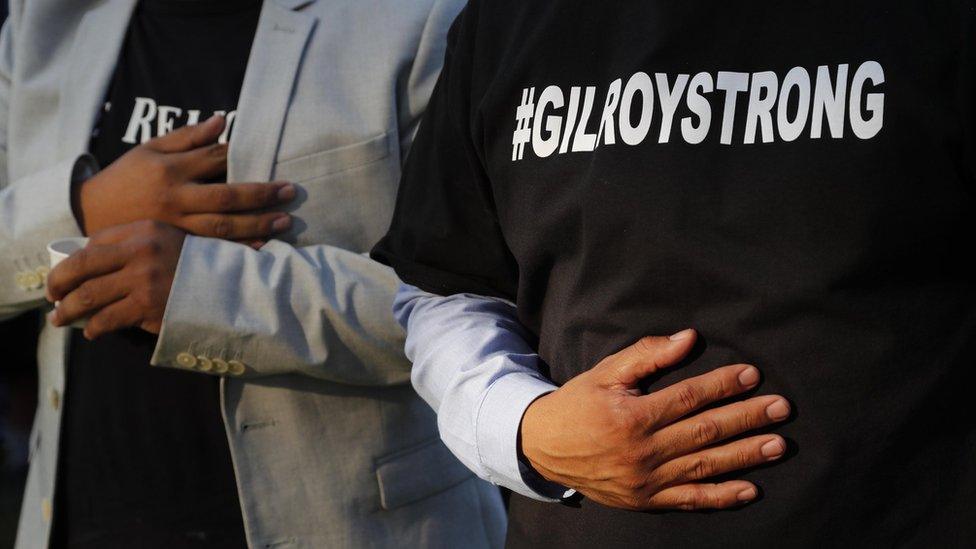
x: 523, y: 127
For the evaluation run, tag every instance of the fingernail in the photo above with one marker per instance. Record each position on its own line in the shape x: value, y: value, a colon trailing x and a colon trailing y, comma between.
x: 773, y: 449
x: 281, y: 224
x: 286, y: 193
x: 749, y: 377
x: 778, y: 410
x: 52, y: 317
x: 747, y: 495
x: 682, y: 335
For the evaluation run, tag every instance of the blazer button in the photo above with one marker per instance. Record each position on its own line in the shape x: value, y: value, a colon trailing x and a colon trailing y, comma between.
x: 220, y: 366
x: 204, y: 364
x: 186, y: 360
x: 55, y: 397
x: 235, y: 367
x: 46, y: 510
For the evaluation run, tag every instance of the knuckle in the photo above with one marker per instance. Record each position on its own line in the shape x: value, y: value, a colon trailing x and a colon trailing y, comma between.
x: 712, y: 499
x: 654, y: 411
x: 165, y: 167
x: 634, y: 503
x: 156, y: 163
x: 705, y: 431
x: 85, y: 296
x: 695, y: 498
x: 260, y: 226
x: 700, y: 467
x: 97, y: 324
x: 645, y: 345
x: 216, y: 150
x: 150, y: 248
x: 727, y: 383
x: 220, y: 227
x: 82, y: 260
x: 141, y: 299
x: 634, y: 484
x: 148, y: 227
x: 635, y: 456
x: 223, y: 197
x: 164, y: 201
x: 687, y: 396
x: 264, y: 194
x: 749, y: 418
x: 742, y: 459
x: 151, y: 275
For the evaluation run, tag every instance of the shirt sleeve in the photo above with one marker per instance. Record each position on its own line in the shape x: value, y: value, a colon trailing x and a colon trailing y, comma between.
x: 471, y: 359
x: 445, y: 237
x: 472, y: 364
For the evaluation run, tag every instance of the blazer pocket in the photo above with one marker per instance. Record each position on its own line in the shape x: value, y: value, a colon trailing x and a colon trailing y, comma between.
x: 315, y: 165
x: 417, y: 473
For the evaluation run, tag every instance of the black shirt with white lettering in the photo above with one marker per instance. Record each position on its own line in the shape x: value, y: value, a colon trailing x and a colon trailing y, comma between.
x: 795, y: 180
x: 144, y: 456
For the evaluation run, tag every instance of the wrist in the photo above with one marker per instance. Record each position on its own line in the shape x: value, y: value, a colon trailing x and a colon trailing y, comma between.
x: 531, y: 435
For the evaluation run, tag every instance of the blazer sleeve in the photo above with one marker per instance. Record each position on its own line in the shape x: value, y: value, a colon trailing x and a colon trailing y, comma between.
x: 34, y: 208
x: 319, y: 311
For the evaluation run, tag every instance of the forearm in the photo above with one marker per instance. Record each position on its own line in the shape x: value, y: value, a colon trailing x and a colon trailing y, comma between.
x: 319, y: 311
x: 472, y: 363
x: 35, y: 210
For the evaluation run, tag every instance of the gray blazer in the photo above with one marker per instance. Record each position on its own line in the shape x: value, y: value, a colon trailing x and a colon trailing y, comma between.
x: 330, y: 445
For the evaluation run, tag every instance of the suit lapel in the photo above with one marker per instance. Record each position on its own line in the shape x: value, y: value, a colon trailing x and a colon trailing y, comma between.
x: 276, y: 56
x: 93, y: 58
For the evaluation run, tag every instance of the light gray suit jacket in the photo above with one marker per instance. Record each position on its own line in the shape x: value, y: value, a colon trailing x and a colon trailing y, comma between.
x: 330, y: 445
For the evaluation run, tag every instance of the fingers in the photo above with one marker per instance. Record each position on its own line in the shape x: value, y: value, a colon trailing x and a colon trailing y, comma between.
x: 201, y: 163
x: 716, y: 425
x: 189, y: 137
x: 693, y: 497
x: 734, y: 456
x: 234, y: 198
x: 116, y: 316
x: 646, y: 357
x: 90, y: 296
x: 676, y: 401
x: 237, y: 226
x: 92, y: 261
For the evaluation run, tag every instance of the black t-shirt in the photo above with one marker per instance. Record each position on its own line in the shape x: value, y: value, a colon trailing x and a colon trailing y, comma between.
x: 144, y: 456
x: 795, y: 180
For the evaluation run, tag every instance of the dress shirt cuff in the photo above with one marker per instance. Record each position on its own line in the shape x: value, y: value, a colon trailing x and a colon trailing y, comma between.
x: 498, y: 421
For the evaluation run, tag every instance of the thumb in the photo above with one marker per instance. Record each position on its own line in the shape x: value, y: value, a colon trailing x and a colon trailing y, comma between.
x: 189, y: 137
x: 649, y: 355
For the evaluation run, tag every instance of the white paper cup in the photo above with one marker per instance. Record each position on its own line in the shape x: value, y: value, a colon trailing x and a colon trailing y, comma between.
x: 59, y: 250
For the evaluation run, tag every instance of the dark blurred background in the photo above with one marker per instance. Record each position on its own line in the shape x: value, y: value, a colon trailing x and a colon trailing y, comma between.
x: 18, y: 391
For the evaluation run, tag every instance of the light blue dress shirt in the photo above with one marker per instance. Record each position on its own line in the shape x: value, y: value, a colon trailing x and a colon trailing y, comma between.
x: 473, y: 365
